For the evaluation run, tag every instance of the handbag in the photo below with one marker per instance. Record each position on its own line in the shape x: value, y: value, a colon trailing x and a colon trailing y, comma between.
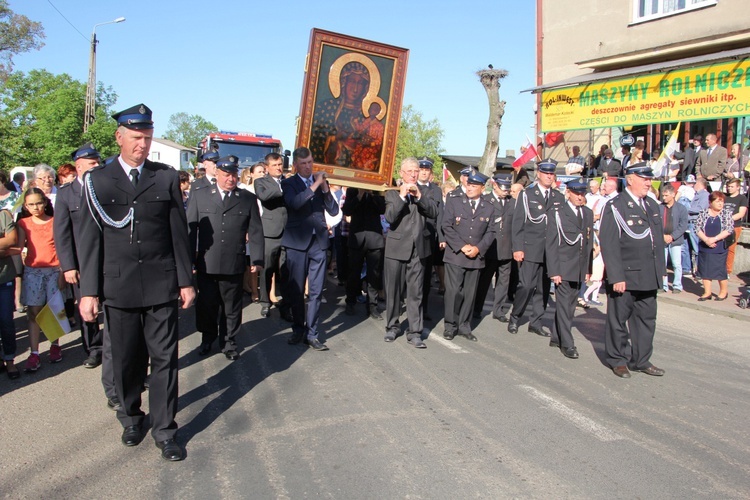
x: 729, y: 240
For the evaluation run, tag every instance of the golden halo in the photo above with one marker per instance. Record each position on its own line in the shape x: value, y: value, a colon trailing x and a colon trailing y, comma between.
x: 334, y: 81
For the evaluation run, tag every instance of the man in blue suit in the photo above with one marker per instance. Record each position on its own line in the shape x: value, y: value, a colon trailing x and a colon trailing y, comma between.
x: 306, y: 240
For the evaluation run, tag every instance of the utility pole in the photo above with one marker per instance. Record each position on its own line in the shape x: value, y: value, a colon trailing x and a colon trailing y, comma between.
x: 89, y: 112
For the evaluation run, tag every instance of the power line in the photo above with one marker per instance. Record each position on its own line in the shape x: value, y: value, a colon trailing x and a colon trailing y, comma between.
x: 71, y: 24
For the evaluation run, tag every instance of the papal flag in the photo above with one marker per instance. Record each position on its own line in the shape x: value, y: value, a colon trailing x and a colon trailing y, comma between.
x: 661, y: 166
x: 52, y: 318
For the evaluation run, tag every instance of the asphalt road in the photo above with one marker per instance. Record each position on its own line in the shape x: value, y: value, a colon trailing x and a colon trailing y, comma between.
x: 506, y: 417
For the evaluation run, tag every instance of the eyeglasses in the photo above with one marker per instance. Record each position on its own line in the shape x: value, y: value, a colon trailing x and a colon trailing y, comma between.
x: 37, y: 204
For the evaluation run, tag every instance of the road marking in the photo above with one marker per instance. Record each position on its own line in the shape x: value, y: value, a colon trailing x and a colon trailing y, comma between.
x: 436, y: 337
x: 581, y: 421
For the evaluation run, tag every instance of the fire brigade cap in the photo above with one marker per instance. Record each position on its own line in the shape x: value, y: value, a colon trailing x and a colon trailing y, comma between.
x: 477, y: 178
x: 577, y: 186
x: 210, y: 156
x: 85, y: 151
x: 641, y: 169
x: 229, y: 164
x: 547, y: 166
x: 502, y: 182
x: 690, y: 179
x: 137, y: 118
x: 466, y: 170
x: 425, y: 162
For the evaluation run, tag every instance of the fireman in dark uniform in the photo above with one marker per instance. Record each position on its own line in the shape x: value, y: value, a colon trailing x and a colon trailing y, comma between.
x: 221, y: 219
x: 570, y: 228
x: 497, y: 262
x: 632, y: 240
x: 529, y: 234
x: 432, y: 190
x: 469, y: 232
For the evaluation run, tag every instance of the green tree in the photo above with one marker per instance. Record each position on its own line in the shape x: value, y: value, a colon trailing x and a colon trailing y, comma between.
x: 18, y: 34
x: 41, y: 119
x: 188, y: 130
x: 419, y: 137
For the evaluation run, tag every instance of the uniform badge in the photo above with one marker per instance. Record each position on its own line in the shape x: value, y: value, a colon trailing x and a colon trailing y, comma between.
x: 640, y: 222
x: 588, y: 233
x: 458, y: 220
x: 213, y: 190
x: 630, y: 223
x: 630, y: 204
x: 540, y: 207
x: 498, y: 219
x: 142, y: 110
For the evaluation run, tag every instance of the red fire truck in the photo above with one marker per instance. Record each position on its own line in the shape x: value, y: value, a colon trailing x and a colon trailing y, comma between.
x: 249, y: 148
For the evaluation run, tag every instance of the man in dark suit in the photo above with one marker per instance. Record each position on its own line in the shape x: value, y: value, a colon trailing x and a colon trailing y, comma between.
x: 68, y: 211
x: 16, y: 184
x: 208, y: 160
x: 632, y: 242
x: 269, y: 192
x: 499, y: 256
x: 689, y: 157
x: 135, y: 241
x: 609, y: 166
x: 220, y: 221
x: 569, y: 241
x: 712, y: 161
x: 529, y: 232
x: 365, y: 247
x: 305, y: 239
x: 433, y: 191
x: 469, y: 232
x: 406, y: 247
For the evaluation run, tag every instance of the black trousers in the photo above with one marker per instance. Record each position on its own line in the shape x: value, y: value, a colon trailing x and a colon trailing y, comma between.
x: 274, y: 260
x: 92, y: 336
x: 426, y: 282
x: 630, y: 315
x: 500, y: 270
x: 373, y: 257
x: 398, y: 274
x: 460, y: 291
x: 531, y: 288
x: 137, y: 334
x: 566, y: 295
x: 220, y: 302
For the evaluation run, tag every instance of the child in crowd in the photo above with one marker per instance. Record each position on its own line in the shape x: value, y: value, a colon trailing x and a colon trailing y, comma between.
x: 41, y: 277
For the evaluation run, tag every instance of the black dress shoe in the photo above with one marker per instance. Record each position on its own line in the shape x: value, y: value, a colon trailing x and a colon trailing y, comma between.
x: 707, y: 297
x: 416, y: 341
x: 265, y: 311
x: 170, y: 450
x: 390, y: 335
x: 114, y: 404
x: 448, y: 335
x: 570, y: 352
x: 286, y: 315
x: 295, y: 338
x: 92, y: 361
x: 469, y: 336
x: 132, y: 435
x: 231, y: 355
x: 205, y: 349
x: 621, y: 371
x: 512, y: 327
x: 375, y: 314
x: 501, y: 319
x: 538, y: 331
x: 653, y: 371
x: 554, y: 343
x: 316, y: 344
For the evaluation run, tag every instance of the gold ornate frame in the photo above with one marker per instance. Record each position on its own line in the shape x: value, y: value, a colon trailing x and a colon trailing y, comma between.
x: 385, y: 66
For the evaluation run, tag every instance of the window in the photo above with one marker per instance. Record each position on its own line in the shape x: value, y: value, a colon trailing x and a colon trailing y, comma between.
x: 646, y: 10
x: 155, y: 156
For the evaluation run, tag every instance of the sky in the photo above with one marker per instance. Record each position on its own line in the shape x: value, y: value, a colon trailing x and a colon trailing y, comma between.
x: 240, y: 64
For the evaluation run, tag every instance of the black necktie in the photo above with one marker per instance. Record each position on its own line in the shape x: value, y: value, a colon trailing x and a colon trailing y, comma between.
x: 546, y: 197
x: 227, y: 194
x: 580, y: 216
x: 134, y: 176
x: 473, y: 206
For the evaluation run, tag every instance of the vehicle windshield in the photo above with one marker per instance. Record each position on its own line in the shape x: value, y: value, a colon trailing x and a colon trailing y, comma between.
x: 248, y: 154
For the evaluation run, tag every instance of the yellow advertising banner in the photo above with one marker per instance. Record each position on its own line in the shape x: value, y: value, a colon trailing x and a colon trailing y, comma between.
x: 719, y: 90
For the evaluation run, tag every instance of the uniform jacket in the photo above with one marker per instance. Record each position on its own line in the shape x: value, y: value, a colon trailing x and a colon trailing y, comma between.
x: 528, y: 236
x: 407, y: 225
x: 434, y: 192
x: 570, y: 261
x: 271, y: 196
x: 365, y: 228
x: 200, y: 183
x: 69, y: 207
x: 637, y: 262
x: 220, y: 231
x: 461, y: 227
x: 502, y: 223
x: 713, y: 165
x: 144, y: 268
x: 305, y: 213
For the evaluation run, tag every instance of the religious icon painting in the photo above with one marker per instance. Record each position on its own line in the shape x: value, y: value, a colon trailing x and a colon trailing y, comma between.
x: 351, y: 108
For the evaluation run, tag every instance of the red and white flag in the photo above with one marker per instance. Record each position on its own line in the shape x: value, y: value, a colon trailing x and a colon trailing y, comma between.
x: 447, y: 175
x: 527, y: 156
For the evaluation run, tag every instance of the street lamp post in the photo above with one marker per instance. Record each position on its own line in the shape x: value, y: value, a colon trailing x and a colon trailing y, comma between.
x: 90, y: 111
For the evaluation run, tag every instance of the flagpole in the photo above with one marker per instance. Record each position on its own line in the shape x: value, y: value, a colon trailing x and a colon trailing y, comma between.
x: 532, y: 145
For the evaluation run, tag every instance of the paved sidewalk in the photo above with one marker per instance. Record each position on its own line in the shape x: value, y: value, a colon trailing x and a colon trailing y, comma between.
x: 693, y: 289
